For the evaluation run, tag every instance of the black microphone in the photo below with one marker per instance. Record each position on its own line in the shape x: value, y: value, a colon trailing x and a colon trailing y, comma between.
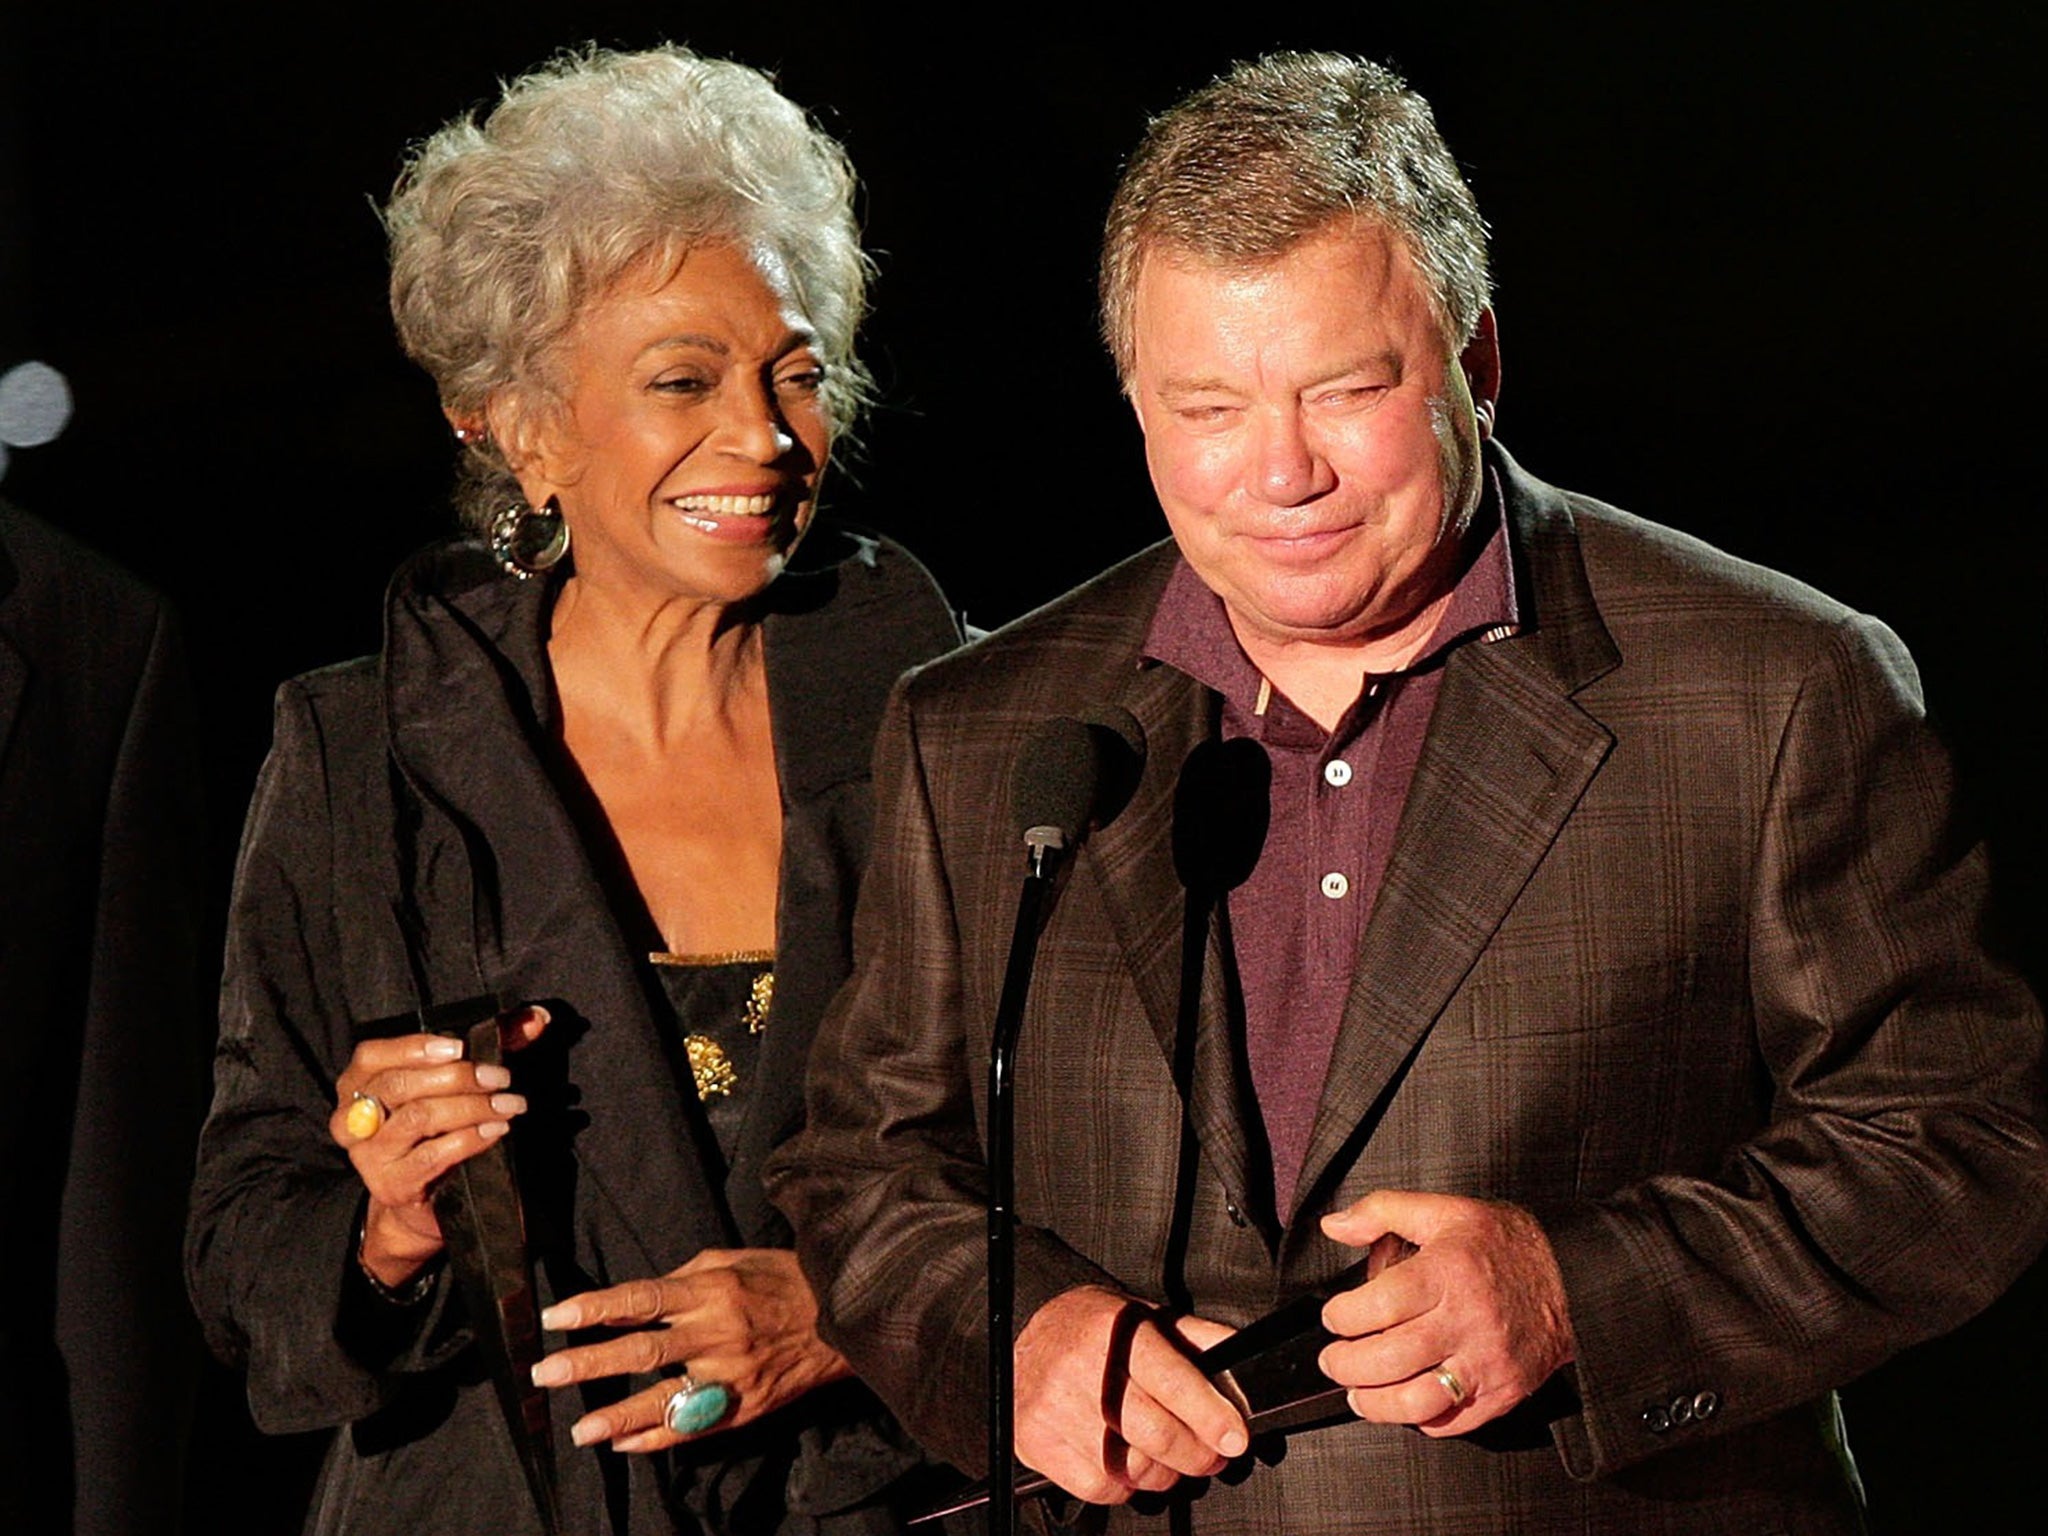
x: 1071, y: 772
x: 1054, y: 791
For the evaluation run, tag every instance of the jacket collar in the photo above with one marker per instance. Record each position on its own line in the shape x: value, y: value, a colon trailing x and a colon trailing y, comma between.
x: 507, y: 899
x: 1176, y: 954
x: 1508, y: 755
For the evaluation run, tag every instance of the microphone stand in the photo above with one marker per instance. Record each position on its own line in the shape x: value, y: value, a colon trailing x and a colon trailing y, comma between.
x: 1045, y: 844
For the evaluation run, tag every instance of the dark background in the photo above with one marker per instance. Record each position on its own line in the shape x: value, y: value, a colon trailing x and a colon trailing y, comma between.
x: 1765, y: 274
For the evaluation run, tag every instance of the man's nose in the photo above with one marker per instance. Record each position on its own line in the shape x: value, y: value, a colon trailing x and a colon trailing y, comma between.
x: 1288, y: 467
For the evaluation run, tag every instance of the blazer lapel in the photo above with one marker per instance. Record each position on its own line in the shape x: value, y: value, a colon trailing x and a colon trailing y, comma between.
x: 538, y: 924
x: 1507, y: 757
x: 835, y: 643
x: 1132, y: 861
x: 811, y: 681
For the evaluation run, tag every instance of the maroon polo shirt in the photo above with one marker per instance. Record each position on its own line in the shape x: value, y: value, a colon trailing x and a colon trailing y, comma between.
x: 1296, y: 922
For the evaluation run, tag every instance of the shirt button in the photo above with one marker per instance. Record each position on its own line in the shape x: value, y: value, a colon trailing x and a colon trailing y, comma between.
x: 1337, y: 773
x: 1335, y: 886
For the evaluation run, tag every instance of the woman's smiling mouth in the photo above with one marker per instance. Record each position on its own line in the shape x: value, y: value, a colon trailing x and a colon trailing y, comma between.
x: 734, y: 518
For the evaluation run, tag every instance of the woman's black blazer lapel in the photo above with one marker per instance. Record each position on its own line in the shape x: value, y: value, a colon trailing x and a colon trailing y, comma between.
x: 839, y: 632
x: 509, y: 902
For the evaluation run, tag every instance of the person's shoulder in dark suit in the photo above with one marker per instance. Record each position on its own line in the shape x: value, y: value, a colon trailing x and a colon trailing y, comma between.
x: 84, y: 624
x: 1057, y: 656
x: 103, y: 1034
x: 1709, y: 639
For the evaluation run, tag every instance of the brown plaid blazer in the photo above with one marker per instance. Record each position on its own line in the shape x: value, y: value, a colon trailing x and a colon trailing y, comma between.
x: 1677, y: 947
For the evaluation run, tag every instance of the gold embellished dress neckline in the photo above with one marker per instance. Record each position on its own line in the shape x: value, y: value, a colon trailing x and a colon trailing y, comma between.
x: 714, y: 1008
x: 716, y: 957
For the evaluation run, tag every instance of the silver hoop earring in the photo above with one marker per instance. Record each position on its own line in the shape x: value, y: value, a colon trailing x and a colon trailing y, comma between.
x: 526, y: 541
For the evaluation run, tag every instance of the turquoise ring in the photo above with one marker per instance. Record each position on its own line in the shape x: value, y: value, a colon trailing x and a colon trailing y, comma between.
x: 696, y: 1405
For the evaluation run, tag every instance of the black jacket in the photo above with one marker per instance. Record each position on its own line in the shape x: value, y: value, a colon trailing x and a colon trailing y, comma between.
x: 102, y: 1041
x: 412, y: 843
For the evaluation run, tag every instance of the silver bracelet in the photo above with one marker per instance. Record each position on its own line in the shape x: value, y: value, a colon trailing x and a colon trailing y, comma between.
x: 410, y: 1294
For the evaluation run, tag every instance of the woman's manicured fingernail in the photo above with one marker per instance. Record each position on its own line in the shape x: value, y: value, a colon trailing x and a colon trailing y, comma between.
x: 491, y: 1130
x: 489, y: 1077
x: 441, y: 1048
x: 507, y: 1104
x: 558, y: 1319
x: 551, y: 1372
x: 587, y: 1431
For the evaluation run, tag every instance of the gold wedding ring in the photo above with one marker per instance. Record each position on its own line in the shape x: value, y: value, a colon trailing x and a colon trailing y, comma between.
x: 1448, y: 1380
x: 365, y: 1117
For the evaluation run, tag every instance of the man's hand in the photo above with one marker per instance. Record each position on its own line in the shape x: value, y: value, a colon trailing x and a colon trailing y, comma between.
x: 1481, y: 1300
x: 1108, y: 1404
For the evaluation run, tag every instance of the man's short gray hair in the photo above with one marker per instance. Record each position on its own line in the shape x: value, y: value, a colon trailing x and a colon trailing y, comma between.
x: 503, y: 232
x: 1277, y: 150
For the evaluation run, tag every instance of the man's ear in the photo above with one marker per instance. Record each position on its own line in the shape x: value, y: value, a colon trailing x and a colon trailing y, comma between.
x: 1481, y: 362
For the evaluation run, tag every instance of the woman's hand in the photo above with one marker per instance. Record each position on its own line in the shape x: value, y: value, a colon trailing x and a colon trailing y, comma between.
x: 438, y: 1110
x: 744, y: 1318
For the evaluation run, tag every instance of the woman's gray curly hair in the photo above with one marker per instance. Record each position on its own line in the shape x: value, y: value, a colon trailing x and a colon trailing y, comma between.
x: 502, y: 232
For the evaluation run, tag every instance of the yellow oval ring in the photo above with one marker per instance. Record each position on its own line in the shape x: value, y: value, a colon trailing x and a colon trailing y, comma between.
x: 365, y: 1117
